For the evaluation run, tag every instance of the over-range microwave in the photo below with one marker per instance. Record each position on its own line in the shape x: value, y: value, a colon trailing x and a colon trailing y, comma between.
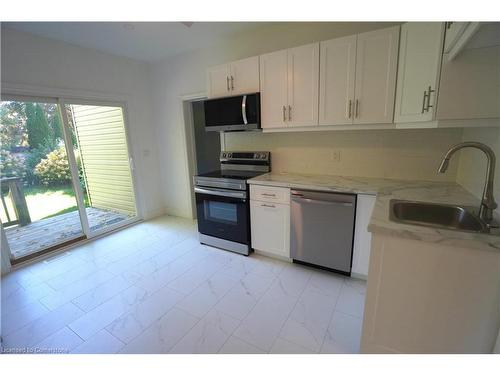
x: 235, y: 113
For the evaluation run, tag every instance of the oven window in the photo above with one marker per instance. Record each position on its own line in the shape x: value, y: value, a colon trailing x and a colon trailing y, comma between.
x: 221, y: 212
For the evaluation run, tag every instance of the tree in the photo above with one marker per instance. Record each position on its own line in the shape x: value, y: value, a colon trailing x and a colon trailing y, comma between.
x: 39, y: 132
x: 12, y: 125
x: 56, y: 125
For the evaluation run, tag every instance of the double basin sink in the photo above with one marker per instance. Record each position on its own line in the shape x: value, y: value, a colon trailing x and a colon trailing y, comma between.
x: 437, y: 216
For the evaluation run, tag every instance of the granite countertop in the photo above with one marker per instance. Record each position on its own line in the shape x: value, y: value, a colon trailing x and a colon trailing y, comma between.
x: 387, y: 189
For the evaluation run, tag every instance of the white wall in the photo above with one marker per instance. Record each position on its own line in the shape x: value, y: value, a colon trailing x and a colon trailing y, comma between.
x: 402, y: 154
x: 35, y: 61
x: 472, y: 168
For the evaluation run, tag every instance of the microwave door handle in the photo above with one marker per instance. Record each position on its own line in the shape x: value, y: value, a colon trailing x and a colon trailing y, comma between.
x: 244, y: 109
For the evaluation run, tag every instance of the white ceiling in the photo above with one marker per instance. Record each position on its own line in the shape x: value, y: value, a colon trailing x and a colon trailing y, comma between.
x: 146, y: 41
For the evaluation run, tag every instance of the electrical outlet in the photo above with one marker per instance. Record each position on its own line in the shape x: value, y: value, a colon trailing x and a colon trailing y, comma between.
x: 335, y: 156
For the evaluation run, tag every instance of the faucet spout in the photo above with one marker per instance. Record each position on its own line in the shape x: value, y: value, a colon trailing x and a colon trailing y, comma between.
x: 488, y: 204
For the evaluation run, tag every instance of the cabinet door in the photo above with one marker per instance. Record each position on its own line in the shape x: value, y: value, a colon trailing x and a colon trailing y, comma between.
x: 245, y: 76
x: 270, y: 223
x: 419, y: 68
x: 273, y: 89
x: 362, y: 238
x: 218, y: 82
x: 336, y: 81
x: 376, y: 66
x: 303, y: 85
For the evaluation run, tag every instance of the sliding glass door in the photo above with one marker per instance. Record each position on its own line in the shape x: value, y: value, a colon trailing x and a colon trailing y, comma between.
x: 39, y: 206
x: 104, y: 164
x: 65, y: 173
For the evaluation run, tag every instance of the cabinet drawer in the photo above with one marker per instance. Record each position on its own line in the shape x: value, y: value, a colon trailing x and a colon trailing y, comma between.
x: 270, y: 194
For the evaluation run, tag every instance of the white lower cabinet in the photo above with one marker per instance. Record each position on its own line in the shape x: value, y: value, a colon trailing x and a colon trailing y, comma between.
x: 362, y: 238
x: 270, y: 224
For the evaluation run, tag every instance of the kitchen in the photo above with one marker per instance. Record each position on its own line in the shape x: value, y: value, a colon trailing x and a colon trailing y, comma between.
x: 304, y: 216
x: 322, y: 163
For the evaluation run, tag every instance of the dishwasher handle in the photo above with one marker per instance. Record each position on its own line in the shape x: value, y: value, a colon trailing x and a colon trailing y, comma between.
x: 299, y: 198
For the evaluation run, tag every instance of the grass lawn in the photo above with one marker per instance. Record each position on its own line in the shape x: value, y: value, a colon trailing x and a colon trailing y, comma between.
x: 47, y: 201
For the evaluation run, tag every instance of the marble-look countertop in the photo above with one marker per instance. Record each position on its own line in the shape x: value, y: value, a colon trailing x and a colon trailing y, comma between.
x: 387, y: 189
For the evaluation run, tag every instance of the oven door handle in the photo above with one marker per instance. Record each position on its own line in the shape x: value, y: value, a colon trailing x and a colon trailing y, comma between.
x: 221, y: 193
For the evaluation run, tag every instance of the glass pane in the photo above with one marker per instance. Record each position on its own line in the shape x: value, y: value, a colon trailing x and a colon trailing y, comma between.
x: 103, y: 159
x: 222, y: 212
x: 39, y: 208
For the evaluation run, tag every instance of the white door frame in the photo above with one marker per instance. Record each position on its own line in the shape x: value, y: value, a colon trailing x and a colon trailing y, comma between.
x: 68, y: 144
x: 189, y: 141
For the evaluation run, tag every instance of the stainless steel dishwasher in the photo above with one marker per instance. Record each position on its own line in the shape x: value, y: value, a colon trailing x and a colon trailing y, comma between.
x: 322, y: 229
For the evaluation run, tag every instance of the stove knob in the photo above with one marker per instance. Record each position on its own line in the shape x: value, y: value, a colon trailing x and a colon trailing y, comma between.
x: 224, y: 155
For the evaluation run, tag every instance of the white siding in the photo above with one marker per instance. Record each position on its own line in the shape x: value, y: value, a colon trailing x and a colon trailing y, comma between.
x: 105, y: 159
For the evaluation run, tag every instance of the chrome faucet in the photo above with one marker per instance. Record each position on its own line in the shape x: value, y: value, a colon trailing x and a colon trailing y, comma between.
x: 488, y: 204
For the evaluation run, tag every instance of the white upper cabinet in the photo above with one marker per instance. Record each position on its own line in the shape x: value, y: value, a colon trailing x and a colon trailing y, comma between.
x: 419, y: 70
x: 273, y: 89
x: 376, y: 67
x: 218, y: 81
x: 244, y: 76
x: 303, y: 82
x: 289, y: 87
x: 336, y: 87
x: 236, y: 78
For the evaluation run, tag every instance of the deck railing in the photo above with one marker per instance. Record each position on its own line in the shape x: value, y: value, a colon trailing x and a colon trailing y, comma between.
x: 16, y: 195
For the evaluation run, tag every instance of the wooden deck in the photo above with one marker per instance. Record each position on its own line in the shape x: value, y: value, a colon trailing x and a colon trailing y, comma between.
x: 45, y: 233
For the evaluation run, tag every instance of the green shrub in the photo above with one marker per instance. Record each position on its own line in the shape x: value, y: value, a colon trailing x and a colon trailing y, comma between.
x: 54, y: 168
x: 33, y: 158
x: 11, y: 166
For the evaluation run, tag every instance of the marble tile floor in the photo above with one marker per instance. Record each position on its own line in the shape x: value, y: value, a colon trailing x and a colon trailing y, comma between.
x: 153, y: 288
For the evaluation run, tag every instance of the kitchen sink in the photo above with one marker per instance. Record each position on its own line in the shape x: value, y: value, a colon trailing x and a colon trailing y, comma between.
x: 436, y: 215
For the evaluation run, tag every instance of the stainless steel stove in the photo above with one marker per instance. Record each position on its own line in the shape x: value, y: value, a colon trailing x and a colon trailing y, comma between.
x: 222, y: 200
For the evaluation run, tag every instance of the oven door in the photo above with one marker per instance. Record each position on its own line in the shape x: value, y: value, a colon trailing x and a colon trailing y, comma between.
x: 223, y: 214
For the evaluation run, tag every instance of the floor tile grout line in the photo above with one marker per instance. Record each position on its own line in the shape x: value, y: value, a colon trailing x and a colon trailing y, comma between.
x: 135, y: 307
x: 131, y: 285
x: 290, y: 312
x: 331, y: 316
x: 275, y: 277
x: 189, y: 330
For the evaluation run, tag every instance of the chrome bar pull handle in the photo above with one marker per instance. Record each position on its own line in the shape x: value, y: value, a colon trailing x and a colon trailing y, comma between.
x: 227, y: 83
x: 284, y: 113
x: 356, y: 109
x: 289, y: 113
x: 350, y: 109
x: 429, y: 99
x: 232, y: 83
x: 423, y: 101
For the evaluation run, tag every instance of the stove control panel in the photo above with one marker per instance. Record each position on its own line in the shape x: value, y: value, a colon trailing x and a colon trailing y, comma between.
x: 238, y: 156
